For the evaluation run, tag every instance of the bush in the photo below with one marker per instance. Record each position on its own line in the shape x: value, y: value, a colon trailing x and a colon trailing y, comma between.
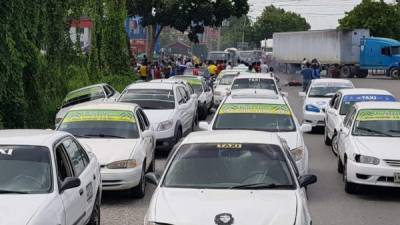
x: 119, y: 82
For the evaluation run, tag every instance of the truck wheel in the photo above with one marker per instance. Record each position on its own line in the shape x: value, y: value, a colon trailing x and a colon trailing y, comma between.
x: 345, y: 72
x: 394, y: 73
x: 362, y: 73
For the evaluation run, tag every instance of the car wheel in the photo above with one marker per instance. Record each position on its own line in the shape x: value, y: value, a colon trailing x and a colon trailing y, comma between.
x: 394, y: 73
x: 178, y: 135
x: 350, y: 188
x: 327, y: 140
x: 339, y: 165
x: 140, y: 190
x: 334, y: 144
x: 152, y: 167
x: 95, y: 216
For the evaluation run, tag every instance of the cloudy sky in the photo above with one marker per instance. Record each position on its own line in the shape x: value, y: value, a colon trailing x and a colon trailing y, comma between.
x: 320, y: 14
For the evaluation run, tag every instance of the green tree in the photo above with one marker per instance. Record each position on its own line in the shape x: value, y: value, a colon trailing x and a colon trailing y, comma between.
x: 184, y: 14
x: 381, y: 18
x: 238, y: 30
x: 275, y: 19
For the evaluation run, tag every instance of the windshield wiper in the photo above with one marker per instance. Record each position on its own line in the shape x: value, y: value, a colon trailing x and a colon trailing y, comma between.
x: 374, y: 131
x: 262, y: 186
x: 12, y: 192
x: 104, y: 136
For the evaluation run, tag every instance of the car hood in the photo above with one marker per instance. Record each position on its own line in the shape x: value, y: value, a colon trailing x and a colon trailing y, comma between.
x: 110, y: 150
x: 157, y: 116
x: 292, y: 139
x: 200, y: 207
x: 63, y: 111
x: 19, y: 209
x: 380, y: 147
x: 319, y: 102
x: 221, y: 88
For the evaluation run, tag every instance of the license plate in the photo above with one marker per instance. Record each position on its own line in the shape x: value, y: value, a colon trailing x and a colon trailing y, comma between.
x: 397, y: 177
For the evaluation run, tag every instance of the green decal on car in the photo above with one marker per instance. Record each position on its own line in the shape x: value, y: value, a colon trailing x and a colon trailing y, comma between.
x: 278, y: 109
x: 378, y: 114
x: 99, y: 115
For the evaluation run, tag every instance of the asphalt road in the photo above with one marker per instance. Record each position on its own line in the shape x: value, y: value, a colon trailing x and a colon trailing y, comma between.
x: 328, y: 202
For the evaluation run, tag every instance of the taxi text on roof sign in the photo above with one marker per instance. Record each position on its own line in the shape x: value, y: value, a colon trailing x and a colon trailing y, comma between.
x: 278, y: 109
x: 359, y: 98
x: 99, y: 115
x: 378, y: 114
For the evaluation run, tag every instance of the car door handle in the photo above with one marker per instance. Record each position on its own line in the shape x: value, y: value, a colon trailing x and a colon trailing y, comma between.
x: 80, y: 191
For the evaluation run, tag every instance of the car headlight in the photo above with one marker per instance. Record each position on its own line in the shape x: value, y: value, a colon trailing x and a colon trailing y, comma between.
x: 367, y: 159
x: 165, y: 125
x: 312, y: 108
x: 297, y: 153
x: 123, y: 164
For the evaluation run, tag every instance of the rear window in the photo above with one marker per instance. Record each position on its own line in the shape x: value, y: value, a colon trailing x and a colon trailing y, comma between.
x: 25, y: 169
x: 150, y: 98
x: 84, y: 95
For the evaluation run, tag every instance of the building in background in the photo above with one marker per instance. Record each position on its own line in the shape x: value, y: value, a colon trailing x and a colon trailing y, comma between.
x: 81, y: 29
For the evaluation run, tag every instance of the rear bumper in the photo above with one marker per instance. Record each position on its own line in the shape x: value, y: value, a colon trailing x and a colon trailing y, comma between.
x: 314, y: 119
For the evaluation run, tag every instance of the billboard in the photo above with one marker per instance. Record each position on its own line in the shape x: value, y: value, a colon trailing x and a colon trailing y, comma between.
x: 137, y: 35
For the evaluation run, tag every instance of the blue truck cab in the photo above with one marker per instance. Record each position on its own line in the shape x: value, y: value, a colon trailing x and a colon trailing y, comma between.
x: 380, y: 53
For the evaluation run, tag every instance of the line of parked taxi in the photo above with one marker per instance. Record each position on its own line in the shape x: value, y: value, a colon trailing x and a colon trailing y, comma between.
x: 363, y: 128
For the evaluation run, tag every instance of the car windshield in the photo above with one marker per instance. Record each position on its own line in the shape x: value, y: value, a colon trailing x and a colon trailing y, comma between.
x: 254, y: 83
x: 83, y: 95
x: 377, y: 122
x: 263, y: 117
x: 227, y: 79
x: 229, y: 166
x: 25, y: 170
x: 326, y: 90
x: 100, y: 124
x: 150, y: 98
x: 349, y: 100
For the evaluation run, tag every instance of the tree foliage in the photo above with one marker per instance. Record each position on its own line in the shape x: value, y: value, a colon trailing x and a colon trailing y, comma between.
x: 39, y: 63
x: 275, y: 19
x: 381, y: 18
x: 184, y: 14
x: 238, y: 30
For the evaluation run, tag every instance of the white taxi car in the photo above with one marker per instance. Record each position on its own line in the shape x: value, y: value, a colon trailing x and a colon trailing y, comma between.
x: 93, y: 93
x: 168, y: 106
x: 368, y: 145
x: 341, y: 103
x: 249, y: 178
x: 47, y: 178
x: 223, y: 84
x: 317, y: 96
x: 203, y: 91
x: 262, y: 81
x: 262, y: 110
x: 119, y: 134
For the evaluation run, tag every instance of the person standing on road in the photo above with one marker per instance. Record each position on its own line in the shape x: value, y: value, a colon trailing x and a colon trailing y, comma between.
x: 196, y: 71
x: 143, y: 71
x: 315, y: 66
x: 212, y: 69
x: 307, y: 73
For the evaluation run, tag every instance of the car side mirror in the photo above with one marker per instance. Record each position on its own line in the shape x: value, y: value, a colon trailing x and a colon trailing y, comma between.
x: 152, y: 178
x: 305, y: 128
x: 69, y: 183
x: 306, y: 180
x: 203, y: 125
x: 284, y: 94
x: 302, y: 94
x: 147, y: 134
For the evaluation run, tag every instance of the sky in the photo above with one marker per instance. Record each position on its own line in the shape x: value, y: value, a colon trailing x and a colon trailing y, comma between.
x: 320, y: 14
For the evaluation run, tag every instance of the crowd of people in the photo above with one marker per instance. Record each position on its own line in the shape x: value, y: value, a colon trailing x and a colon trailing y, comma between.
x: 172, y: 66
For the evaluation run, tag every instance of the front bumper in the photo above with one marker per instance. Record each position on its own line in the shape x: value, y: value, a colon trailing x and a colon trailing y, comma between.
x: 376, y: 175
x: 165, y: 143
x: 314, y: 119
x: 120, y: 179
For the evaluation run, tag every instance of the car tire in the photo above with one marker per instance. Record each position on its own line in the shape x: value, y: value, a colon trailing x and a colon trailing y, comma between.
x: 178, y: 135
x: 152, y: 167
x: 327, y: 140
x: 95, y: 216
x: 349, y: 188
x: 140, y: 190
x: 334, y: 144
x: 339, y: 165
